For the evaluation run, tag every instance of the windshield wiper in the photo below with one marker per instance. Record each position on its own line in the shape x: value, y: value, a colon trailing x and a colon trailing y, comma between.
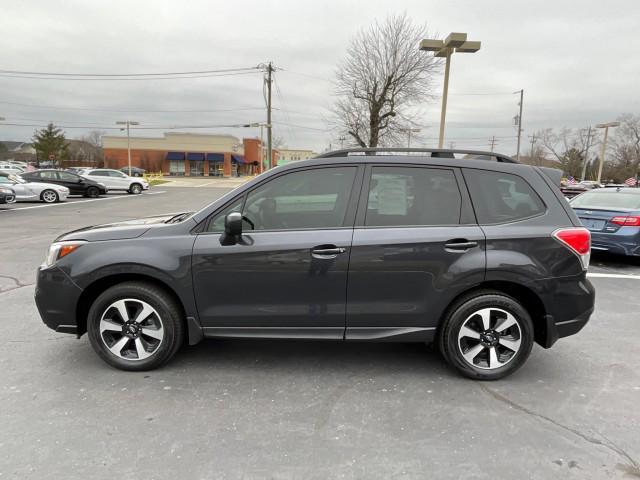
x: 178, y: 218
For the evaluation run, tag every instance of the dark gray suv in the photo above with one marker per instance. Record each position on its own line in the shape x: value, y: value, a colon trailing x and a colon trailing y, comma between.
x: 479, y: 254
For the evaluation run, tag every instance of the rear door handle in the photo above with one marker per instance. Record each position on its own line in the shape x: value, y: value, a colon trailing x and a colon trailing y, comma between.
x: 327, y: 251
x: 460, y: 244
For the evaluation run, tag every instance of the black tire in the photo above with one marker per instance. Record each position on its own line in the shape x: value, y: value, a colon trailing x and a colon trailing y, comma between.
x: 135, y: 189
x: 169, y: 315
x: 464, y: 311
x: 93, y: 192
x: 49, y: 196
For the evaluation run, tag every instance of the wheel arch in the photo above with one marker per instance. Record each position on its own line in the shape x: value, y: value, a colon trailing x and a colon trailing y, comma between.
x: 521, y: 293
x: 92, y: 291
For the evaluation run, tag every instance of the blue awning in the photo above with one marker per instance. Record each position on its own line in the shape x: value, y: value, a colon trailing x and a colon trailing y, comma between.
x: 175, y: 155
x: 195, y: 157
x: 237, y: 158
x: 215, y: 157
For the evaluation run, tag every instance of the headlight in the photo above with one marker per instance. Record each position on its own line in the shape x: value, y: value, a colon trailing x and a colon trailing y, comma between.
x: 6, y: 190
x: 61, y: 249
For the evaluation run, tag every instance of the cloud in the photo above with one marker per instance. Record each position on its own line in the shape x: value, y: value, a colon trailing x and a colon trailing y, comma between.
x: 577, y: 63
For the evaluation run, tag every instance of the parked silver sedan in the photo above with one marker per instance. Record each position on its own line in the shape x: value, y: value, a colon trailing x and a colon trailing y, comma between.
x: 32, y: 191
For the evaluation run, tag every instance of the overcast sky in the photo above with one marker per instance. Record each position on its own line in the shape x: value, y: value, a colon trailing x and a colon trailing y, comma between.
x: 578, y: 62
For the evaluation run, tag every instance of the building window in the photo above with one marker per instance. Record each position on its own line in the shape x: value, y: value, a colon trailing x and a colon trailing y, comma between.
x: 176, y: 167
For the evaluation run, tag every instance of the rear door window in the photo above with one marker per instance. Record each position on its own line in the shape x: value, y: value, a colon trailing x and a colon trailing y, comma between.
x: 412, y: 196
x: 500, y: 197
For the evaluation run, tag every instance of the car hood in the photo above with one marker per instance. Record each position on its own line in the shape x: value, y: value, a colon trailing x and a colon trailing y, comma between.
x: 115, y: 231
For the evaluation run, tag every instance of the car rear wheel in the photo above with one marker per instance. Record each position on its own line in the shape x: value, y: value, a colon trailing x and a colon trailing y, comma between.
x: 136, y: 189
x: 49, y: 196
x: 93, y: 192
x: 135, y: 326
x: 487, y: 336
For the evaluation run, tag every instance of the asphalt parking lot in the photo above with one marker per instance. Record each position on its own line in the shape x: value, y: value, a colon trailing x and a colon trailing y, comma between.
x: 304, y: 410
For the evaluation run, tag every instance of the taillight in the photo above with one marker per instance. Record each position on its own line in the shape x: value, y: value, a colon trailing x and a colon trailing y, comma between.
x: 578, y: 240
x: 626, y: 221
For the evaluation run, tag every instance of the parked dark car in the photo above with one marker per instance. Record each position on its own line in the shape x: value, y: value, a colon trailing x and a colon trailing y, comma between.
x: 76, y: 184
x: 7, y: 195
x: 572, y: 190
x: 481, y: 257
x: 135, y: 171
x: 613, y: 217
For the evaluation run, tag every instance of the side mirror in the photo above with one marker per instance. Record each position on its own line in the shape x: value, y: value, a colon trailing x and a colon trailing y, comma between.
x: 232, y: 229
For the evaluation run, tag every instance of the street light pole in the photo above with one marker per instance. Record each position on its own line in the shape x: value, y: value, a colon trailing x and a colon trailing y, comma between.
x: 604, y: 144
x: 128, y: 123
x: 455, y: 42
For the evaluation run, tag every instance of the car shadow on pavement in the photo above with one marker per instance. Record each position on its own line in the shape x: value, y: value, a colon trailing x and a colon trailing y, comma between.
x: 296, y: 355
x: 618, y: 262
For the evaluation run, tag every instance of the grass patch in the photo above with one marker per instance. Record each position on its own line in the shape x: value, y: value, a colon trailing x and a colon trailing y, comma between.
x: 157, y: 181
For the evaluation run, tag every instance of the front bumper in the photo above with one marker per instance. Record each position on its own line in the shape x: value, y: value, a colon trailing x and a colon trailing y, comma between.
x: 56, y: 298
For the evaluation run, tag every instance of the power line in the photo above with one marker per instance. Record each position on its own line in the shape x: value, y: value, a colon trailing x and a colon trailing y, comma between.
x: 163, y: 74
x: 2, y: 75
x: 52, y: 107
x: 159, y: 127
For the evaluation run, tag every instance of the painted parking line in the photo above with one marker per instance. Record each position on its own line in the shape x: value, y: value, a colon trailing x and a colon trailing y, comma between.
x: 62, y: 204
x: 613, y: 275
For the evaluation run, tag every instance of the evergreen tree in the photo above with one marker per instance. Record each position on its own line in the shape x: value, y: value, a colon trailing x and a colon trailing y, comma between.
x: 51, y: 141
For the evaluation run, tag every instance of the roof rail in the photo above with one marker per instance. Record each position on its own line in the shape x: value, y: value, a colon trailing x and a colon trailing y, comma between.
x: 434, y: 152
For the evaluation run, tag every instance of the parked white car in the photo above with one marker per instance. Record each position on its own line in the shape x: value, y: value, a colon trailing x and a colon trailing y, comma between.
x: 11, y: 168
x: 32, y: 191
x: 116, y: 180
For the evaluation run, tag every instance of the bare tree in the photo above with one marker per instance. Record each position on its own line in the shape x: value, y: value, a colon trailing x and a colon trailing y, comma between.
x: 94, y: 137
x: 383, y: 76
x: 625, y: 158
x: 568, y: 146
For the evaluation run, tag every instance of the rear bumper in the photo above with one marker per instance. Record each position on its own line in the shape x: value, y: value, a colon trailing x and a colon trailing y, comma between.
x: 56, y: 297
x: 626, y: 241
x: 572, y: 306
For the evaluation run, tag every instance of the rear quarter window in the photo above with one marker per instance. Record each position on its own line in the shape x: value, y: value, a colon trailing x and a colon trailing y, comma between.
x: 500, y: 197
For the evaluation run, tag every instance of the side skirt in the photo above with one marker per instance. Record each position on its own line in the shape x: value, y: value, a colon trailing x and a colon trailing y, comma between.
x: 375, y: 334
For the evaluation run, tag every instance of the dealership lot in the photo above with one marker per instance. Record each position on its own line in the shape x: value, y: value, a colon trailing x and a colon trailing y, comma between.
x: 256, y: 409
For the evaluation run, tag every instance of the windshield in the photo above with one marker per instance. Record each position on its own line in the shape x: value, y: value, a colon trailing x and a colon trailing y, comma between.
x: 11, y: 179
x: 611, y: 200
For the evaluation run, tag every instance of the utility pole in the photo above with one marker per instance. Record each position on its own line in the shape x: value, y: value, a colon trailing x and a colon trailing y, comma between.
x: 533, y: 141
x: 341, y: 138
x: 586, y: 155
x: 519, y: 123
x: 128, y: 123
x: 492, y: 142
x: 408, y: 131
x: 269, y: 136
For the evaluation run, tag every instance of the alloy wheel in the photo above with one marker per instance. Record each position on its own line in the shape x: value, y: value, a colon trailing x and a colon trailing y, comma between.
x: 131, y: 329
x: 489, y: 338
x: 136, y: 189
x: 49, y: 196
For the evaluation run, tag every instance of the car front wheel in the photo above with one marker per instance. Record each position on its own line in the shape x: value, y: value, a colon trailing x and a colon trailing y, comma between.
x: 135, y: 326
x: 49, y: 196
x: 487, y: 336
x: 93, y: 192
x: 136, y: 189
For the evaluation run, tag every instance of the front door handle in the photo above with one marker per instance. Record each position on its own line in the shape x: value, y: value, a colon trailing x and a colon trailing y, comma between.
x: 460, y: 244
x: 327, y: 251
